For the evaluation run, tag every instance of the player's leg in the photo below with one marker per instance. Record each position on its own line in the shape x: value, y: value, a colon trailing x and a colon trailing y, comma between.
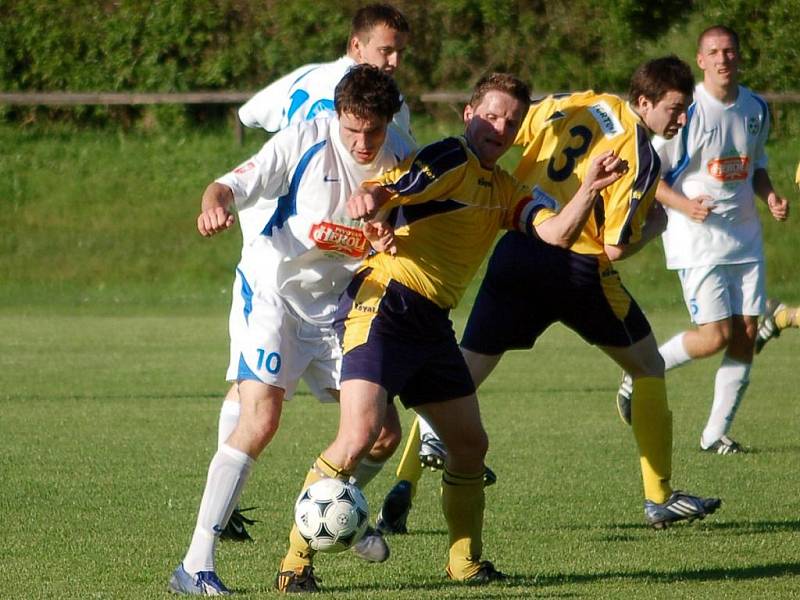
x: 459, y: 425
x: 362, y: 409
x: 746, y: 292
x: 393, y: 515
x: 227, y: 474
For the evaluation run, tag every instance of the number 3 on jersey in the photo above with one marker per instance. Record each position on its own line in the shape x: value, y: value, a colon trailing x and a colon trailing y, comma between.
x: 581, y: 139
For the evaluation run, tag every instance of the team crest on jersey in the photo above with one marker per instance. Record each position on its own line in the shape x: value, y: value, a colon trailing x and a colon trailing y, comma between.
x: 732, y: 168
x: 333, y: 237
x: 605, y: 117
x: 753, y: 125
x: 248, y: 166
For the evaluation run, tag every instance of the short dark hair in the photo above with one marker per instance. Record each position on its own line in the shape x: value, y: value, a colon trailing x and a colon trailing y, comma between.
x: 501, y: 82
x: 366, y: 91
x: 717, y: 30
x: 655, y: 78
x: 370, y: 16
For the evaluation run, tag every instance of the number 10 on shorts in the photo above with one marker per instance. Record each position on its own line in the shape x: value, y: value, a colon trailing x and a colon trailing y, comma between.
x: 271, y: 362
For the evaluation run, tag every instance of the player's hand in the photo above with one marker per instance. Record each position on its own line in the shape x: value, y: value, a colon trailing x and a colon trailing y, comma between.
x: 213, y: 220
x: 698, y: 208
x: 779, y: 207
x: 606, y: 168
x: 365, y: 203
x: 656, y: 221
x: 380, y: 236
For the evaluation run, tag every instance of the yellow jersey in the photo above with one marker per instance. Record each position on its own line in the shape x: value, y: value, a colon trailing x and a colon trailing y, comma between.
x: 446, y: 210
x: 560, y: 137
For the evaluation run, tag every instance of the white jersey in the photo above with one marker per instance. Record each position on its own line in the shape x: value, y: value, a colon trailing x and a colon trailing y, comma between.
x: 291, y: 199
x: 302, y: 95
x: 716, y: 153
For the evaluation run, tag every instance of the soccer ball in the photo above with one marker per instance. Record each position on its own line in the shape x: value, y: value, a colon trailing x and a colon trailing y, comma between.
x: 331, y: 515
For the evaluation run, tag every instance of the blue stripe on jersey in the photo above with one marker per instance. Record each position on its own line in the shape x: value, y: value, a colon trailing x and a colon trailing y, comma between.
x: 648, y: 169
x: 298, y: 97
x: 319, y: 106
x: 415, y: 212
x: 764, y: 109
x: 245, y: 373
x: 287, y: 204
x: 429, y: 164
x: 675, y: 172
x: 247, y: 295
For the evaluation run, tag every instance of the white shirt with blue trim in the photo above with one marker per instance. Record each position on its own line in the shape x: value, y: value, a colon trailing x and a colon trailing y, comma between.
x: 716, y: 153
x: 302, y: 95
x: 291, y: 199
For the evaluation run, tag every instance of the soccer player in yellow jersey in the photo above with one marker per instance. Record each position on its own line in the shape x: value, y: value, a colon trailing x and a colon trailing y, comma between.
x: 447, y: 203
x: 530, y: 285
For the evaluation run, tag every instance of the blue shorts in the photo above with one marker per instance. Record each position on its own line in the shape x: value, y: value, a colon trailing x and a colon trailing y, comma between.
x: 397, y: 338
x: 530, y: 285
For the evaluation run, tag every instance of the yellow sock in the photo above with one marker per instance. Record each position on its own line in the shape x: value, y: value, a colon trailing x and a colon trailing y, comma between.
x: 300, y: 553
x: 462, y: 504
x: 786, y: 317
x: 410, y: 469
x: 652, y: 427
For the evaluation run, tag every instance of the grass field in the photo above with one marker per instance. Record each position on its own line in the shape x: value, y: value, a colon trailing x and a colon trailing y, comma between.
x: 113, y: 337
x: 109, y: 423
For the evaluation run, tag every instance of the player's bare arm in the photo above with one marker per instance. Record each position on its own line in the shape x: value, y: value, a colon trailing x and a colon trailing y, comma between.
x: 762, y: 186
x: 564, y: 228
x: 380, y: 236
x: 215, y: 214
x: 697, y: 208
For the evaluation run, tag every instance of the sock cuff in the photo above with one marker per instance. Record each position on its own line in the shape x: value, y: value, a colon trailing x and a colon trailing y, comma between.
x: 237, y: 455
x: 450, y: 478
x: 649, y: 387
x: 736, y: 368
x: 326, y: 468
x: 230, y: 408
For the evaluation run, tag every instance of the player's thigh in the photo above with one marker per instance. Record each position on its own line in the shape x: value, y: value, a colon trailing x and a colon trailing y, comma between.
x: 706, y: 293
x: 639, y: 359
x: 516, y: 299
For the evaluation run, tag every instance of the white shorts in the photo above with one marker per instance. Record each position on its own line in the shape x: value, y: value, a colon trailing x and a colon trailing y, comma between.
x: 715, y: 293
x: 272, y: 344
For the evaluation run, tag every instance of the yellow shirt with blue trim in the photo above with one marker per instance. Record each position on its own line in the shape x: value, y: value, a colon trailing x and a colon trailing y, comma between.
x: 560, y: 137
x: 446, y: 210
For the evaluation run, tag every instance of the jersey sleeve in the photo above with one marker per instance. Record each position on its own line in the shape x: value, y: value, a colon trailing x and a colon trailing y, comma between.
x: 627, y: 201
x: 760, y: 160
x: 266, y: 108
x: 433, y: 173
x: 266, y: 174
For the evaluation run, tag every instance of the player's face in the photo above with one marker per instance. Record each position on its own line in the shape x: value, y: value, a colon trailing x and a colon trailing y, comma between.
x: 667, y: 116
x: 493, y: 125
x: 718, y: 57
x: 382, y: 47
x: 363, y: 138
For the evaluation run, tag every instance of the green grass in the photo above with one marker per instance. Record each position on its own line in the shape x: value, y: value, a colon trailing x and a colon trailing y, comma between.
x: 109, y: 423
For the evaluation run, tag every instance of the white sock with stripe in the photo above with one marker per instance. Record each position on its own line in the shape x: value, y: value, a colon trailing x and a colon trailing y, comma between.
x: 730, y: 384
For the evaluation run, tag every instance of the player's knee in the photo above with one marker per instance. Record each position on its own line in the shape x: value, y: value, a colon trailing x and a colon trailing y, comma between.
x: 470, y: 446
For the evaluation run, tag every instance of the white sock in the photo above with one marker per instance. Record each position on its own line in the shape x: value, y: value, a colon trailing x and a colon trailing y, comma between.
x: 425, y: 428
x: 228, y: 418
x: 227, y: 474
x: 673, y: 352
x: 365, y: 472
x: 729, y: 387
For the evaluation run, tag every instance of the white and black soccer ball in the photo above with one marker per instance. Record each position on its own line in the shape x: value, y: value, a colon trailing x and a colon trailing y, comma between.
x: 331, y: 515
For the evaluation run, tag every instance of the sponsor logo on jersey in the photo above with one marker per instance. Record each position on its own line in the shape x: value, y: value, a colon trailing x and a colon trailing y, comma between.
x: 609, y: 124
x: 248, y: 166
x: 732, y: 168
x: 333, y: 237
x: 484, y: 182
x: 542, y: 198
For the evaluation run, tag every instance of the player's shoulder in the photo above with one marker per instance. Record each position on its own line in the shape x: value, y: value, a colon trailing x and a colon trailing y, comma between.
x: 445, y: 154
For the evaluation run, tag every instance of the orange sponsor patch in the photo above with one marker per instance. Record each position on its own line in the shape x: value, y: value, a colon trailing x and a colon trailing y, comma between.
x: 338, y: 238
x: 733, y: 168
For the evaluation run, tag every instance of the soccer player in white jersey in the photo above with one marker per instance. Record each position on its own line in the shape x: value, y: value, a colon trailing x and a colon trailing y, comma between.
x: 378, y: 37
x: 299, y: 253
x: 712, y: 172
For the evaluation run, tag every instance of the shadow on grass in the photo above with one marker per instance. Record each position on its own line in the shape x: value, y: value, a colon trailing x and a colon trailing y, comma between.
x: 733, y: 527
x: 526, y: 586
